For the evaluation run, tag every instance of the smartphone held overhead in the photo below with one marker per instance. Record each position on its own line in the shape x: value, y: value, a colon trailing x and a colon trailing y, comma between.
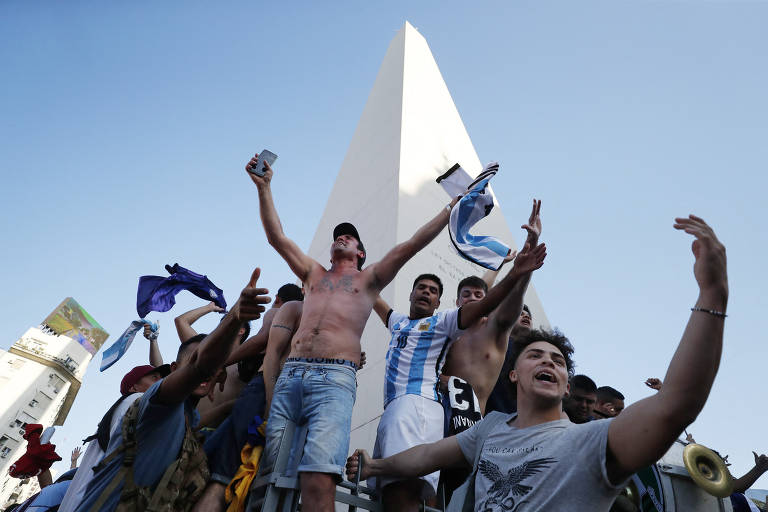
x: 265, y: 156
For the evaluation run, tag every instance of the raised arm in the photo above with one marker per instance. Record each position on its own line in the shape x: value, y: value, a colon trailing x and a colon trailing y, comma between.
x: 642, y: 433
x: 185, y: 320
x: 155, y: 357
x: 386, y: 269
x: 300, y: 263
x: 526, y: 262
x: 382, y: 309
x: 285, y: 323
x: 74, y: 456
x: 507, y: 313
x: 254, y: 345
x: 746, y: 481
x: 418, y: 461
x: 211, y: 353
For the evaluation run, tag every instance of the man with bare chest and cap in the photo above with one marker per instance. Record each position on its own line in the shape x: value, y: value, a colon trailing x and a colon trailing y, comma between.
x: 317, y: 384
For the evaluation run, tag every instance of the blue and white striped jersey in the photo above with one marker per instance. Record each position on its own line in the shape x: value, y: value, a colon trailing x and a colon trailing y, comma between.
x: 417, y: 353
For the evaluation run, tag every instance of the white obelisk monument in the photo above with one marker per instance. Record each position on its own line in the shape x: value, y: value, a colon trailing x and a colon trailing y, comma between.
x: 409, y: 134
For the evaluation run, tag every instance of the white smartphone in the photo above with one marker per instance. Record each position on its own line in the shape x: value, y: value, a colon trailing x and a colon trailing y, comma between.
x: 265, y: 156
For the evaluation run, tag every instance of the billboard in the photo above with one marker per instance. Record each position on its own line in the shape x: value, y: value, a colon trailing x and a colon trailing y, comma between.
x: 70, y: 319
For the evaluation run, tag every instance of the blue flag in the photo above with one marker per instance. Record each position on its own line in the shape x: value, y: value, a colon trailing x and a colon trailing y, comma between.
x: 477, y: 203
x: 120, y: 347
x: 159, y: 293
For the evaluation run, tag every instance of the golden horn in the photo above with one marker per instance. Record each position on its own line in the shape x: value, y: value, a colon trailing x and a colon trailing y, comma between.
x: 708, y: 470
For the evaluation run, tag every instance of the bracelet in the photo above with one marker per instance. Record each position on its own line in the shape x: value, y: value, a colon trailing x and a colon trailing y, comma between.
x: 712, y: 312
x: 448, y: 208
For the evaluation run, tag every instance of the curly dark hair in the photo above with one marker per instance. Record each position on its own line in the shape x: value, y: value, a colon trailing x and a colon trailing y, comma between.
x: 553, y: 337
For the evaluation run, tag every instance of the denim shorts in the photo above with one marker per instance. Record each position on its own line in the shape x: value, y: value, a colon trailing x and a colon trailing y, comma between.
x: 320, y: 397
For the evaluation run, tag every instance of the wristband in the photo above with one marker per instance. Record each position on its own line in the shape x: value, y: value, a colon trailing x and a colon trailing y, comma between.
x: 712, y: 312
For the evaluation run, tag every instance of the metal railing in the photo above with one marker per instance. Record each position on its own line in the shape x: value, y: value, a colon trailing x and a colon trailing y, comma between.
x: 279, y: 491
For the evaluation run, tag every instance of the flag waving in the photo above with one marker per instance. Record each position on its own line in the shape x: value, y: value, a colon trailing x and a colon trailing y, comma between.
x: 157, y: 293
x: 120, y: 347
x: 477, y: 203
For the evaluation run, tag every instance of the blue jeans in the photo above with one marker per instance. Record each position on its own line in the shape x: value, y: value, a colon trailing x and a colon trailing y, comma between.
x: 224, y: 445
x: 321, y: 397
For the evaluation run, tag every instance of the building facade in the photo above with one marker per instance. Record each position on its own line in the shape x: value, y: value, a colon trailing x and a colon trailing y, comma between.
x: 40, y: 375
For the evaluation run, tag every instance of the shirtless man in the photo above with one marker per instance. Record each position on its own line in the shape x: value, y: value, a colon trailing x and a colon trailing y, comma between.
x: 226, y: 442
x: 478, y: 356
x: 278, y: 345
x: 317, y: 385
x: 285, y: 324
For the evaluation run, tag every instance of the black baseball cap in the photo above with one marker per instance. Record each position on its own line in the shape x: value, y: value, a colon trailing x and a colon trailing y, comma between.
x: 346, y: 228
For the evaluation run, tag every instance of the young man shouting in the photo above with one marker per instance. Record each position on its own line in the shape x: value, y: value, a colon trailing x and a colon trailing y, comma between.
x: 534, y: 457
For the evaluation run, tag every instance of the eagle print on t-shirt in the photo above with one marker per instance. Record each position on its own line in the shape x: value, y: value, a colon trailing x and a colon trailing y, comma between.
x: 504, y: 489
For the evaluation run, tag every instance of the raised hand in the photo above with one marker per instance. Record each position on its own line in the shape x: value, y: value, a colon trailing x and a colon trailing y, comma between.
x: 73, y: 458
x: 250, y: 304
x: 653, y: 383
x: 353, y: 462
x: 761, y: 462
x: 147, y: 331
x: 216, y: 309
x: 529, y: 259
x: 710, y: 265
x: 534, y: 224
x: 260, y: 181
x: 511, y: 255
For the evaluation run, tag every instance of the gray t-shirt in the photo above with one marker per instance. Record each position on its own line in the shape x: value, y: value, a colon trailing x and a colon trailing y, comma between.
x: 553, y: 466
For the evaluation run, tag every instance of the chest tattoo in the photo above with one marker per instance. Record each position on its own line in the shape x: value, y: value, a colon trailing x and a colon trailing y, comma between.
x: 345, y: 283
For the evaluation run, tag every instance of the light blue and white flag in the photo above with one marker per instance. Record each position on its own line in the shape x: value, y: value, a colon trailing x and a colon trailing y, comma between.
x: 477, y: 203
x: 120, y: 347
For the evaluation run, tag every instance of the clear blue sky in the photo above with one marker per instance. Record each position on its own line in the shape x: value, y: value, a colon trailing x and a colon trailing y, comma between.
x: 124, y: 128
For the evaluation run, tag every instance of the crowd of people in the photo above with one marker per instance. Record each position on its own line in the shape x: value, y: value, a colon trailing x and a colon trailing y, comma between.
x: 476, y: 401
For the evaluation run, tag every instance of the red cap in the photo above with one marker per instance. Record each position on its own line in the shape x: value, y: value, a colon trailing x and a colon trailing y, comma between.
x: 139, y: 372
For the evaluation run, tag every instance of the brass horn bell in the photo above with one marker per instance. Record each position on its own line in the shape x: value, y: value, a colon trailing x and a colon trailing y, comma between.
x: 708, y: 470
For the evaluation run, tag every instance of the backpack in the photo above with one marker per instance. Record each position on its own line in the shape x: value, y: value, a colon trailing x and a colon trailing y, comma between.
x: 102, y: 431
x: 180, y: 486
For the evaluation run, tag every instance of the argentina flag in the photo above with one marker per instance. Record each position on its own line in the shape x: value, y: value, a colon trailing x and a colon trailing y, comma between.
x: 120, y: 347
x: 477, y: 203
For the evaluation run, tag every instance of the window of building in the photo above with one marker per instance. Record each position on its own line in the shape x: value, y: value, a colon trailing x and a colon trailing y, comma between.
x: 55, y: 382
x: 16, y: 363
